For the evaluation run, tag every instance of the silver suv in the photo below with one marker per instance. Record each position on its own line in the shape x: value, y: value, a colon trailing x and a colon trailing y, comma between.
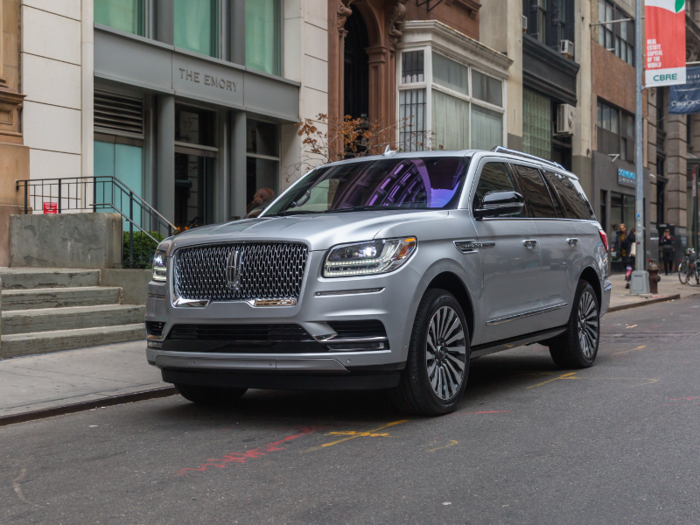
x: 386, y: 272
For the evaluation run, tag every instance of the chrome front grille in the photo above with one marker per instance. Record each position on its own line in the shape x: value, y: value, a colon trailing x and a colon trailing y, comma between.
x: 240, y: 271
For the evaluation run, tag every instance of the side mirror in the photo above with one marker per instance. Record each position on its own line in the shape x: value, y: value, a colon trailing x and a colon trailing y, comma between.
x: 500, y: 204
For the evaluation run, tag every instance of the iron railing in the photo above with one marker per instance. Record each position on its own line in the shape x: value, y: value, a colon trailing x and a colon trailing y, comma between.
x: 102, y: 194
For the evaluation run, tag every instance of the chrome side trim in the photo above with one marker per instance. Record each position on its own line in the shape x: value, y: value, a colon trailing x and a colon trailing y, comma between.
x: 501, y: 320
x: 272, y: 302
x: 331, y: 339
x: 472, y: 246
x: 349, y: 292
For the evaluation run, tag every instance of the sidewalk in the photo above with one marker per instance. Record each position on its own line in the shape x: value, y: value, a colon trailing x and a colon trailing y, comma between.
x: 109, y: 374
x: 669, y: 286
x: 61, y: 379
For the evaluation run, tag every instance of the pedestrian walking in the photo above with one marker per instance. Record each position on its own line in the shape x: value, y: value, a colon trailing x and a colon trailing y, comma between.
x: 667, y: 243
x: 624, y: 241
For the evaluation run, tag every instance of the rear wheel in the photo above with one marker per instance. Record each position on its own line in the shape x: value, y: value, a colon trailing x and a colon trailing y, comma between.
x: 207, y: 395
x: 438, y: 358
x: 683, y: 272
x: 578, y: 346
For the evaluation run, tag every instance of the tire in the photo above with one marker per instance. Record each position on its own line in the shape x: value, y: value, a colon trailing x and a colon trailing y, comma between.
x: 207, y: 395
x: 578, y: 346
x: 683, y: 272
x: 437, y: 366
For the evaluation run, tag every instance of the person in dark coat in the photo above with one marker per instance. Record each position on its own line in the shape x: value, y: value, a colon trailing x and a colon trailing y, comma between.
x: 667, y: 243
x: 623, y: 245
x: 261, y: 200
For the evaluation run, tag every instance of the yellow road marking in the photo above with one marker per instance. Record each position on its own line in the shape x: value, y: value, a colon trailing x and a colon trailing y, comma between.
x: 354, y: 435
x: 565, y: 376
x: 452, y: 443
x: 633, y: 350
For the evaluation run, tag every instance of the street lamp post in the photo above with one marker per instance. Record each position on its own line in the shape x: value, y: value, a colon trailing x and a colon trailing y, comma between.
x: 640, y: 278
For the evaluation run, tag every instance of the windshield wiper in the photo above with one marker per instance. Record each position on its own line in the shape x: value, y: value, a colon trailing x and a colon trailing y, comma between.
x: 368, y: 208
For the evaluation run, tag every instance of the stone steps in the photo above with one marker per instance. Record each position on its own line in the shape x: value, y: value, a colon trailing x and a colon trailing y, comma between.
x: 53, y: 309
x: 30, y: 278
x: 45, y: 342
x: 59, y: 297
x: 70, y: 318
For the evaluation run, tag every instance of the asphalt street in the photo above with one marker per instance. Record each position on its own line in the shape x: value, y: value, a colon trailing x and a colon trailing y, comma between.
x: 614, y: 444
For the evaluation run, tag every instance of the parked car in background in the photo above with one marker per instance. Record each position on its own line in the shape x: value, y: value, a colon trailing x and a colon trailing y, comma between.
x: 385, y: 272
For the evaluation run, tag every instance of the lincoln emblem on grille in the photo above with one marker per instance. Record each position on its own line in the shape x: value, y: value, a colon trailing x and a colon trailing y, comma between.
x: 233, y: 268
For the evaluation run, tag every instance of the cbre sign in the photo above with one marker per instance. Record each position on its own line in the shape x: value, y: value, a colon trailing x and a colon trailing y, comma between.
x: 665, y: 42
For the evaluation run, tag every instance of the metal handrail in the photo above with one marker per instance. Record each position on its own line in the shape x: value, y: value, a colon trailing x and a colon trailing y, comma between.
x: 501, y: 149
x: 99, y: 193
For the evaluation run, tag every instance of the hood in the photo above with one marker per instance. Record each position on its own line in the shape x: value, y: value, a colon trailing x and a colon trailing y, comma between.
x: 319, y: 231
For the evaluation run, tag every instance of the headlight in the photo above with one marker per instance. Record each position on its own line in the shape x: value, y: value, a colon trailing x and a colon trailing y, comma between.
x: 369, y: 258
x: 160, y: 266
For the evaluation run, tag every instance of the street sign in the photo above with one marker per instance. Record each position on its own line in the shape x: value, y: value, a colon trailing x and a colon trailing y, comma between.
x: 665, y: 42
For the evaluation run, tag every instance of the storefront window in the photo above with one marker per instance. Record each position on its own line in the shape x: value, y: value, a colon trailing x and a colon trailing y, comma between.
x: 262, y: 147
x: 262, y: 37
x: 125, y: 15
x: 194, y: 126
x: 196, y: 26
x: 125, y: 162
x: 537, y: 124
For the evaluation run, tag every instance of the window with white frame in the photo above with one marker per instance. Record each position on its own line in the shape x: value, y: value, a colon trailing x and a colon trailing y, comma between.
x: 447, y: 104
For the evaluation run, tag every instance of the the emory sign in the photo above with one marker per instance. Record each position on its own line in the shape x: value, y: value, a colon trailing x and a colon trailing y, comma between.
x: 208, y: 80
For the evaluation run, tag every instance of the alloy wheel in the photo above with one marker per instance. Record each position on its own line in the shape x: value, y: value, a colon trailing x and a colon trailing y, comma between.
x: 446, y: 352
x: 588, y: 324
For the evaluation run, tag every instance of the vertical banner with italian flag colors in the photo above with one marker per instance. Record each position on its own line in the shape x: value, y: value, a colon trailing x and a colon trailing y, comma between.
x: 665, y: 35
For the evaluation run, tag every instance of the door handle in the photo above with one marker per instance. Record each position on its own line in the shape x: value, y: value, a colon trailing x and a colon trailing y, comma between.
x: 529, y: 243
x: 572, y: 242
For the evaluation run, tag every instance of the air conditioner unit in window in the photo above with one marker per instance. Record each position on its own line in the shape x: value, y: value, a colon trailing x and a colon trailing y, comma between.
x: 566, y: 47
x: 524, y: 24
x: 566, y: 114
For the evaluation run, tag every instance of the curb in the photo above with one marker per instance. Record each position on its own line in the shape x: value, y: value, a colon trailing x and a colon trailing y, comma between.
x: 644, y: 303
x: 88, y: 405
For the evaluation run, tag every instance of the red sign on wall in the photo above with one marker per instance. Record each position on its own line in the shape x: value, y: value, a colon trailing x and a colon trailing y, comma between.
x: 665, y: 45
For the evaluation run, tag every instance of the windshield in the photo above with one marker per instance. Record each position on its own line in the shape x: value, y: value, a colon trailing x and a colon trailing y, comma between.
x: 432, y: 183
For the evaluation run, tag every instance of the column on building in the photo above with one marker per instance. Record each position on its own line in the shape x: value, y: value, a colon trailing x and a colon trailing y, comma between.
x: 677, y: 173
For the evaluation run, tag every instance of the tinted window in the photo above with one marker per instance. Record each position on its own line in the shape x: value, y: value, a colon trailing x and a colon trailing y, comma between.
x: 575, y: 204
x: 427, y: 183
x: 535, y: 192
x: 494, y: 177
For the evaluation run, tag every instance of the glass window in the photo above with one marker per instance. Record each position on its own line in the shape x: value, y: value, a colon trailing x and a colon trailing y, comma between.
x: 417, y: 183
x: 124, y: 162
x: 263, y: 35
x: 618, y: 38
x: 194, y: 190
x: 412, y: 67
x: 412, y: 119
x: 450, y: 121
x: 487, y: 88
x: 196, y: 26
x: 262, y: 138
x: 535, y: 192
x: 537, y: 124
x: 575, y: 204
x: 262, y: 166
x: 494, y: 177
x: 194, y: 126
x: 487, y: 128
x: 126, y: 15
x: 450, y: 74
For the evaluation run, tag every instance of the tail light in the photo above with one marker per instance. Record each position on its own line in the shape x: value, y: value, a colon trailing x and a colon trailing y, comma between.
x: 604, y: 238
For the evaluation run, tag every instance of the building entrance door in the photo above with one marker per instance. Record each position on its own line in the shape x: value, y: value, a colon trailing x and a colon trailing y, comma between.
x: 194, y: 190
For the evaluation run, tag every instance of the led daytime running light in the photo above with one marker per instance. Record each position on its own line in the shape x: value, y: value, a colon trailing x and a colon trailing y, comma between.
x: 393, y: 254
x: 160, y: 266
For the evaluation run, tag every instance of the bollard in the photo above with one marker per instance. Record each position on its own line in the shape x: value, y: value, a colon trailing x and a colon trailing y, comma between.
x: 654, y: 276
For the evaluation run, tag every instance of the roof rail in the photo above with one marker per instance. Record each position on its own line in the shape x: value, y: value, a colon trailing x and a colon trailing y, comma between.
x: 501, y: 149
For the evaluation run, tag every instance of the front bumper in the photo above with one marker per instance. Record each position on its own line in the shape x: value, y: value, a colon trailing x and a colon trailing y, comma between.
x: 386, y: 298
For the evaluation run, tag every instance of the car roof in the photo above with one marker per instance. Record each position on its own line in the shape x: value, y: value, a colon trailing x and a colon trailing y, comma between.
x: 512, y: 157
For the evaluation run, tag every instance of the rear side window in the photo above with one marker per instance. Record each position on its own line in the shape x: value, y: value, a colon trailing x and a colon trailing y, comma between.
x: 576, y: 206
x: 494, y: 177
x: 535, y: 192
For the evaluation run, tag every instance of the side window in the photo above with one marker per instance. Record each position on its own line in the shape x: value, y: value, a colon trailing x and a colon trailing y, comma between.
x: 494, y: 177
x: 575, y: 204
x: 535, y: 192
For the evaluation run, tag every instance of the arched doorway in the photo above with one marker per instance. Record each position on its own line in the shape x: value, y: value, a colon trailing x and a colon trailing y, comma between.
x: 356, y: 73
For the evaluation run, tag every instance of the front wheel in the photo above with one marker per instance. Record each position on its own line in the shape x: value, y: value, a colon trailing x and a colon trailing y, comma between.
x: 578, y: 346
x: 208, y: 395
x: 438, y: 358
x: 683, y: 272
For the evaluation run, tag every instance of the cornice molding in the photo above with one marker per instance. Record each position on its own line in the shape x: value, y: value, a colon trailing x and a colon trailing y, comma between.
x: 537, y: 50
